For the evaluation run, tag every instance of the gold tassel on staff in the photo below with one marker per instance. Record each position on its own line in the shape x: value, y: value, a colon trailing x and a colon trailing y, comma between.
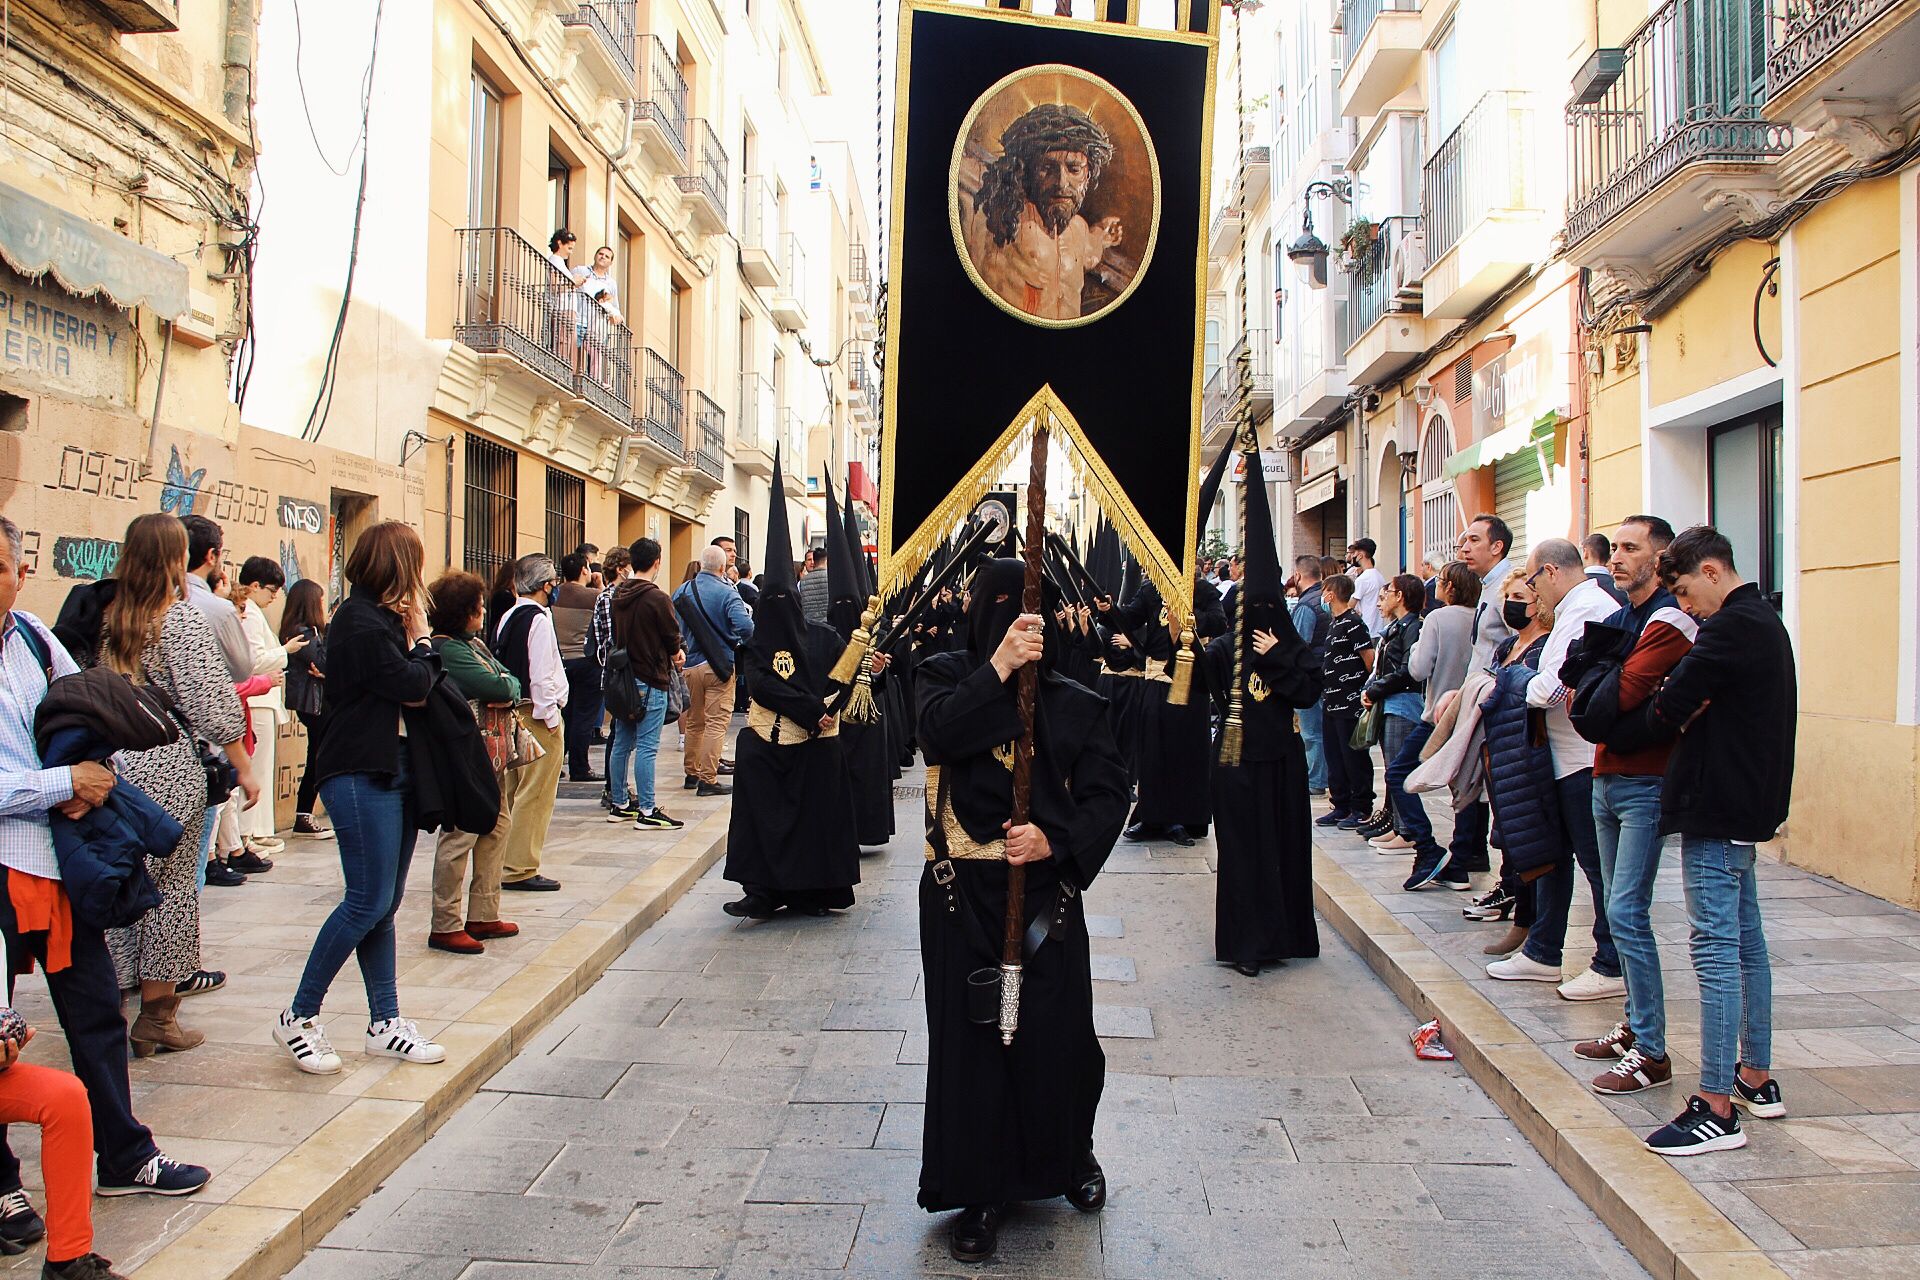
x: 861, y: 708
x: 1182, y: 688
x: 854, y: 656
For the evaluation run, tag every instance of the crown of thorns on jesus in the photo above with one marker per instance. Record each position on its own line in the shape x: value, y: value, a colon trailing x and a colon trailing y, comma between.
x: 1004, y: 187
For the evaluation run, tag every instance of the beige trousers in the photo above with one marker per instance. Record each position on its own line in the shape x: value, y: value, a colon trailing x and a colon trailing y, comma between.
x: 709, y: 711
x: 530, y: 793
x: 450, y: 857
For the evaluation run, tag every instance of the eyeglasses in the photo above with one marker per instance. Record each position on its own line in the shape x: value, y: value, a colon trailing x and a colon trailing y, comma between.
x: 1536, y: 573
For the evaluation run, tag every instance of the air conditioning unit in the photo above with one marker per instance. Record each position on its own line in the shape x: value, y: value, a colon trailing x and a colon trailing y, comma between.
x: 1409, y: 260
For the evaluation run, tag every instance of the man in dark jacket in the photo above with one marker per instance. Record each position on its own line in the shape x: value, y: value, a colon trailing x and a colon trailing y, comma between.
x: 1731, y: 702
x: 646, y: 628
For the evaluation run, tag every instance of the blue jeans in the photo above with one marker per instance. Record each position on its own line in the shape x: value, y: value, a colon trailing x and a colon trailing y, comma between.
x: 211, y: 823
x: 636, y: 744
x: 1730, y: 959
x: 373, y: 821
x: 1553, y: 892
x: 1626, y: 824
x: 1410, y: 815
x: 1313, y: 735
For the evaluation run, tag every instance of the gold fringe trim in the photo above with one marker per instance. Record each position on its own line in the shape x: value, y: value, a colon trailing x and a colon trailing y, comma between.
x: 1230, y: 737
x: 861, y: 707
x: 1182, y: 688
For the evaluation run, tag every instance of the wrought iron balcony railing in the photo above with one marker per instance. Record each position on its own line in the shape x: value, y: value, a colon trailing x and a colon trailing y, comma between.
x: 1371, y: 293
x: 707, y: 167
x: 1689, y: 92
x: 1804, y: 33
x: 708, y: 451
x: 513, y: 301
x: 663, y: 93
x: 857, y: 265
x: 614, y: 22
x: 793, y: 444
x: 1486, y: 164
x: 793, y: 268
x: 663, y: 407
x: 1356, y: 17
x: 755, y: 423
x: 603, y: 362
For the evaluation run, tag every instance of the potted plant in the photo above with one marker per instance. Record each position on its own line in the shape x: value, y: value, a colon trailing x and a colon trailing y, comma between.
x: 1356, y: 242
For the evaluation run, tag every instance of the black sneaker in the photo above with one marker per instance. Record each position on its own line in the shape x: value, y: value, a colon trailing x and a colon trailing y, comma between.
x: 1765, y: 1103
x: 714, y: 789
x: 311, y: 828
x: 1427, y: 869
x: 249, y: 863
x: 691, y: 783
x: 658, y: 820
x: 20, y: 1226
x: 88, y: 1266
x: 223, y: 876
x: 622, y: 812
x: 1331, y: 818
x: 1376, y: 826
x: 1495, y: 904
x: 157, y: 1177
x: 1455, y: 879
x: 1696, y: 1132
x: 202, y: 981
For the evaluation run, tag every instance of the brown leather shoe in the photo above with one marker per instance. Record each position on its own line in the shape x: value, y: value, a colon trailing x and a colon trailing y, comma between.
x: 158, y: 1029
x: 484, y: 929
x: 460, y: 942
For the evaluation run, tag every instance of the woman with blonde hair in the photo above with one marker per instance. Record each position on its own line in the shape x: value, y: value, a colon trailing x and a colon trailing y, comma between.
x: 153, y: 636
x: 378, y: 664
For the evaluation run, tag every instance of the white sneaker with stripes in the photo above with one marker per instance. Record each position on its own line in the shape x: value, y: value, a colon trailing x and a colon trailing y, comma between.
x: 307, y: 1041
x: 401, y: 1038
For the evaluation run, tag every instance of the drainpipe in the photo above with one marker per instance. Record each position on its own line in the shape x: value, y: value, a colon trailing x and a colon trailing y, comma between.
x: 159, y: 390
x: 613, y: 161
x: 236, y: 61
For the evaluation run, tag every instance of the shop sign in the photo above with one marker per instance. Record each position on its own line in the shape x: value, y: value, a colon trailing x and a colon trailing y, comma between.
x: 1322, y: 455
x: 1273, y: 465
x: 61, y: 342
x: 1518, y: 386
x: 1315, y: 492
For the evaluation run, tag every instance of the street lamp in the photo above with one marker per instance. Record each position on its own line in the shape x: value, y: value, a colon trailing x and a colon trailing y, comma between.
x: 1310, y: 251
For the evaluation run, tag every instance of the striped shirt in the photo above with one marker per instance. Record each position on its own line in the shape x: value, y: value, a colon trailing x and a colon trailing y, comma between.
x: 27, y: 790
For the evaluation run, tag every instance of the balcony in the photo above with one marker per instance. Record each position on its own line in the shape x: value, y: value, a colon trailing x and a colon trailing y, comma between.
x: 1256, y: 171
x: 1481, y: 207
x: 754, y: 426
x: 511, y: 301
x: 1861, y: 50
x: 603, y: 363
x: 660, y: 107
x: 871, y: 394
x: 140, y: 16
x: 1220, y: 398
x: 859, y: 283
x: 1228, y: 225
x: 859, y: 382
x: 1382, y: 42
x: 1386, y: 336
x: 660, y: 417
x: 789, y: 304
x: 1676, y: 149
x: 759, y: 217
x: 707, y: 451
x: 703, y: 188
x: 603, y: 34
x: 793, y: 447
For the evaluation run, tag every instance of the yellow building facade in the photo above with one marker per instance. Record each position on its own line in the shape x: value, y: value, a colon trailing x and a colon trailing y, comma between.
x: 1751, y: 360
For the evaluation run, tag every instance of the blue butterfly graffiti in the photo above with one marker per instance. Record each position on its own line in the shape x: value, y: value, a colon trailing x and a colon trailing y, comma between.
x: 180, y: 491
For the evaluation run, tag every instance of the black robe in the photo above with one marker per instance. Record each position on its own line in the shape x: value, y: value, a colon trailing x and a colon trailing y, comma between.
x: 871, y: 755
x: 1262, y: 825
x: 1173, y: 737
x: 1010, y: 1122
x: 790, y: 836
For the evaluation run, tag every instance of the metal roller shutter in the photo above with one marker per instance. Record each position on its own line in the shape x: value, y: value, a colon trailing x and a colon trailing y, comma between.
x: 1514, y: 477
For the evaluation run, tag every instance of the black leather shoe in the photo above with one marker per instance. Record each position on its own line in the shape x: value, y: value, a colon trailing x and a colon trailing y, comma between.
x: 713, y: 789
x: 975, y: 1233
x: 690, y: 783
x: 219, y: 873
x: 1089, y: 1194
x: 1179, y: 836
x: 532, y: 884
x: 752, y: 907
x: 1138, y: 831
x: 1248, y: 970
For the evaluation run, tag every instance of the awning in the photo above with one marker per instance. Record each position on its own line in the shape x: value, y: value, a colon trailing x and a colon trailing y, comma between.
x: 1316, y: 491
x: 36, y: 238
x: 860, y: 487
x: 1485, y: 452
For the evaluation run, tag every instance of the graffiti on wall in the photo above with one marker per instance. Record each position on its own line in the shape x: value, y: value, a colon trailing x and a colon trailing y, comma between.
x: 89, y: 559
x: 301, y: 516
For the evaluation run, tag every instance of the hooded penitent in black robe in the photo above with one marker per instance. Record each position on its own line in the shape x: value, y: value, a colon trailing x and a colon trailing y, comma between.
x: 1262, y: 826
x: 1012, y: 1122
x: 790, y: 838
x: 1173, y: 737
x: 869, y: 753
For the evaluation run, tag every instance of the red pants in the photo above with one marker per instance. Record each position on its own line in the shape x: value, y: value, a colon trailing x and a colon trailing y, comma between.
x: 57, y: 1102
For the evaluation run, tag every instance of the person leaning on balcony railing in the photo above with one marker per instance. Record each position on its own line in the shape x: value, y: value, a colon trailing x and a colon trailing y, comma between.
x: 563, y: 300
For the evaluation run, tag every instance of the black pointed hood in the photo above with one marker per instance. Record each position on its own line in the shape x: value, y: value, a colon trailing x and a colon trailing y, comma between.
x: 779, y: 625
x: 845, y: 596
x: 1210, y: 491
x: 864, y: 584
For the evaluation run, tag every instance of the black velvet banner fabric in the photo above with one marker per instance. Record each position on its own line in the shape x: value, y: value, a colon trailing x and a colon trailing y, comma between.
x: 964, y: 367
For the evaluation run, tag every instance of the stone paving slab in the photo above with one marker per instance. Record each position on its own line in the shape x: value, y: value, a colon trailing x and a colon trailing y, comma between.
x: 1269, y: 1127
x: 1832, y: 1190
x: 292, y: 1153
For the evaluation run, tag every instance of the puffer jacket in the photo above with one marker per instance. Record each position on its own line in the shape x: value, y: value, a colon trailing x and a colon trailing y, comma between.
x: 103, y: 854
x: 1520, y: 784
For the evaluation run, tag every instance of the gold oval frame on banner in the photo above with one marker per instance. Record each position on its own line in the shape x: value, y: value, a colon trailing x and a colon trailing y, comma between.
x: 993, y: 92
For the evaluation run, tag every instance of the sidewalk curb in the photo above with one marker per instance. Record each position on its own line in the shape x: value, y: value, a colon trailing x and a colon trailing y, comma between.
x: 1673, y: 1230
x: 270, y: 1224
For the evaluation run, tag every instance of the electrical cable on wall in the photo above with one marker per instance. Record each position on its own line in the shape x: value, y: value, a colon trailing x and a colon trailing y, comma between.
x: 329, y: 370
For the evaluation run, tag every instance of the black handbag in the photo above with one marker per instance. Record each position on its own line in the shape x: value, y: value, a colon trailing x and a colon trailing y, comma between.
x: 624, y: 693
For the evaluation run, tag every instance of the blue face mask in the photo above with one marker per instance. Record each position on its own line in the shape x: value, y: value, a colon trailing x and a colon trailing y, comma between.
x: 553, y: 596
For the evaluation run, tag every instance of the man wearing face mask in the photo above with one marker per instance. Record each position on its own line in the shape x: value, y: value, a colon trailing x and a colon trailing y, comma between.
x: 526, y: 645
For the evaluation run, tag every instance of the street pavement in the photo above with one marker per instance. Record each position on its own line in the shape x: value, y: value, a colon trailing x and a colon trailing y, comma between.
x: 741, y: 1100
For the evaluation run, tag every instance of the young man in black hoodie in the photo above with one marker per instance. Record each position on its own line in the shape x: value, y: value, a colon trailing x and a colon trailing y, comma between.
x: 644, y: 625
x: 1731, y: 704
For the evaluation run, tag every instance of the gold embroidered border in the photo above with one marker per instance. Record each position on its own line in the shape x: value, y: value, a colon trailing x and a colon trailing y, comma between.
x: 959, y: 843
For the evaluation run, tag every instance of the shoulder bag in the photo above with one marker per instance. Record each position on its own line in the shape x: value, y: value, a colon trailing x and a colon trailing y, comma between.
x: 626, y: 694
